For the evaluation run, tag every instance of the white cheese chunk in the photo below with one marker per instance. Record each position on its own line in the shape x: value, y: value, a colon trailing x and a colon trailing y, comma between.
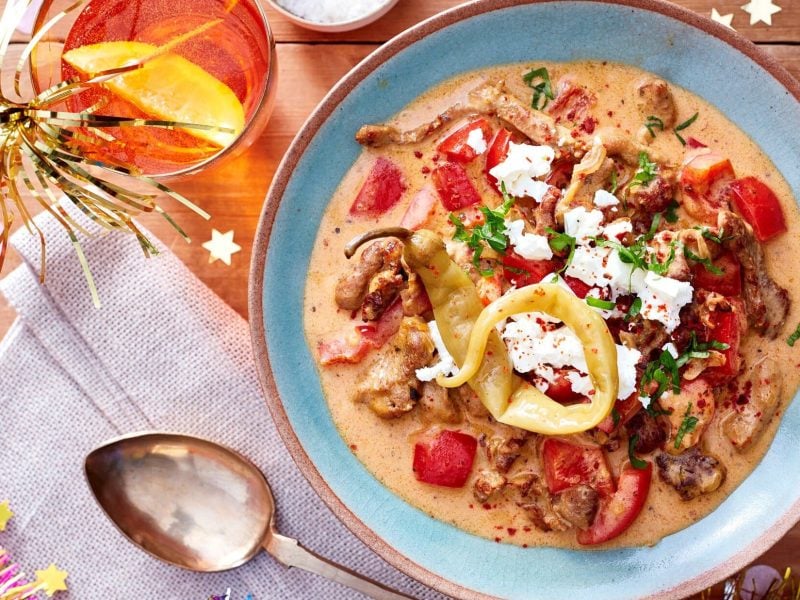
x: 446, y: 364
x: 476, y: 141
x: 670, y: 347
x: 604, y: 199
x: 523, y: 164
x: 527, y: 245
x: 583, y: 224
x: 616, y: 229
x: 663, y: 298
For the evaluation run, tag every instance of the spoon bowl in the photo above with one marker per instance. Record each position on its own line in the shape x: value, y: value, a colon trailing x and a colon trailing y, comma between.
x: 199, y: 505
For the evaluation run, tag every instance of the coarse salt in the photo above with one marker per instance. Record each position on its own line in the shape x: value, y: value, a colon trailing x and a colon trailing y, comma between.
x: 331, y: 11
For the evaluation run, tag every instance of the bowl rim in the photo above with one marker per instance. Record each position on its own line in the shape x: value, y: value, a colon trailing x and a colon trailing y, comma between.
x: 259, y: 257
x: 338, y: 26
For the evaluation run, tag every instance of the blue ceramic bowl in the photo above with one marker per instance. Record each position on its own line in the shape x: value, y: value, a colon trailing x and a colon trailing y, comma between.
x: 713, y: 62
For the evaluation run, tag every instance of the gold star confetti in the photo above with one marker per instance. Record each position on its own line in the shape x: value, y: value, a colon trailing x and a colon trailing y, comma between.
x: 53, y: 579
x: 722, y: 19
x: 5, y: 514
x: 221, y: 246
x: 761, y: 10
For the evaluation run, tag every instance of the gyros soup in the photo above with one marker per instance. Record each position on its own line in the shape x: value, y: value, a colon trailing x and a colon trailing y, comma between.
x: 567, y: 315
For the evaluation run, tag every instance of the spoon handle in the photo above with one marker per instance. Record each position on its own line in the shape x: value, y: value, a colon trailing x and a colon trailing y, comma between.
x: 292, y: 554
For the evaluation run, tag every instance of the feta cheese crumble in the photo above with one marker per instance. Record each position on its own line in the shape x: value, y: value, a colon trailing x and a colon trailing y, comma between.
x: 663, y: 298
x: 604, y: 199
x: 476, y: 141
x: 523, y: 164
x: 527, y: 245
x: 446, y: 364
x: 583, y: 224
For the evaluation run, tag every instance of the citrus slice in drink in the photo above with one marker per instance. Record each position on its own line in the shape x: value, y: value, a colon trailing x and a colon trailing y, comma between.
x: 167, y: 87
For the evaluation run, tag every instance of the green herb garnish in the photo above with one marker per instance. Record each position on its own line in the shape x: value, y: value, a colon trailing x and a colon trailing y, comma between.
x: 719, y: 238
x: 654, y: 122
x: 560, y: 242
x: 665, y: 372
x: 651, y: 233
x: 492, y: 232
x: 636, y: 462
x: 615, y: 416
x: 671, y: 216
x: 646, y: 172
x: 792, y: 339
x: 539, y: 81
x: 706, y: 262
x: 600, y: 303
x: 635, y: 309
x: 613, y: 189
x: 683, y: 126
x: 687, y: 426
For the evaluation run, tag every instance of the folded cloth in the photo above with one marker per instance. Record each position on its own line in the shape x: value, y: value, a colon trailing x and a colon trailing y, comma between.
x: 162, y: 353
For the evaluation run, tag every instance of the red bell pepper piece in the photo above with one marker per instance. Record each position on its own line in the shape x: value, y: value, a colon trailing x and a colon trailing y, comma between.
x: 522, y: 271
x: 497, y: 152
x: 576, y: 285
x: 567, y: 465
x: 703, y: 179
x: 728, y: 283
x: 759, y: 206
x: 727, y: 330
x: 445, y: 459
x: 355, y: 342
x: 382, y: 189
x: 624, y: 409
x: 455, y: 145
x: 454, y: 186
x: 617, y: 512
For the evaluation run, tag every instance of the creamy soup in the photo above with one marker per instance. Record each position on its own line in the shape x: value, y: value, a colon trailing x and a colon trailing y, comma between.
x: 611, y: 165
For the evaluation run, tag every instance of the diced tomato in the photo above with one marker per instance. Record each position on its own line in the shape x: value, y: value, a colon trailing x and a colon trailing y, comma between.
x: 560, y: 172
x: 617, y: 512
x: 454, y: 186
x: 381, y: 191
x: 455, y: 145
x: 522, y: 271
x: 759, y: 206
x: 576, y: 285
x: 497, y: 152
x: 704, y: 175
x: 420, y: 209
x: 567, y: 465
x: 727, y: 329
x: 624, y: 409
x: 728, y: 283
x: 694, y: 143
x: 355, y: 342
x: 445, y: 459
x: 560, y: 390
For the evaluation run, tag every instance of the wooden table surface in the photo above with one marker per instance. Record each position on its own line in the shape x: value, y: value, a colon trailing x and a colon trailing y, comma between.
x: 309, y: 64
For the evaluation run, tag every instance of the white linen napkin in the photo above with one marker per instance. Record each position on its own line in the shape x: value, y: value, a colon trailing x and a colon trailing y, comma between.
x: 162, y: 353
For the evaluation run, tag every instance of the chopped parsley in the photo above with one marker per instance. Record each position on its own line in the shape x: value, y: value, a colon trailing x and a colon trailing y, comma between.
x: 794, y: 337
x: 654, y: 122
x: 651, y: 233
x: 646, y: 172
x: 613, y: 189
x: 635, y: 309
x: 671, y: 216
x: 539, y: 81
x: 706, y: 262
x: 697, y: 349
x: 639, y: 255
x: 687, y: 426
x: 600, y: 303
x: 560, y: 242
x: 665, y: 372
x: 492, y: 232
x: 636, y: 462
x: 719, y: 238
x: 683, y: 126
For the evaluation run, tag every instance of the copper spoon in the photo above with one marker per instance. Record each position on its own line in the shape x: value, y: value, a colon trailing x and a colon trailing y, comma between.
x: 200, y: 506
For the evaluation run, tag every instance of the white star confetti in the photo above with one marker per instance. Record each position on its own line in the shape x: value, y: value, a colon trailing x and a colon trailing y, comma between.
x: 761, y: 10
x: 221, y: 246
x: 722, y: 19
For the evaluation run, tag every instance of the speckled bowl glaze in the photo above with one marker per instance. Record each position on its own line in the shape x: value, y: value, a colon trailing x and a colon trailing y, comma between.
x: 708, y: 59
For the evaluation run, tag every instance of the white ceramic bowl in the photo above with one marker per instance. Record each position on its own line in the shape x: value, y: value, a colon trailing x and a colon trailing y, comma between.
x: 362, y: 21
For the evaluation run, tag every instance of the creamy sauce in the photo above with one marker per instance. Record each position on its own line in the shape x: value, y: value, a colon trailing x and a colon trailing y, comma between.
x: 386, y: 446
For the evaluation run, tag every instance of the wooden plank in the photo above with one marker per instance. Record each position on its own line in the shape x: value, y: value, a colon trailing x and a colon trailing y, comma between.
x: 785, y: 24
x: 787, y: 55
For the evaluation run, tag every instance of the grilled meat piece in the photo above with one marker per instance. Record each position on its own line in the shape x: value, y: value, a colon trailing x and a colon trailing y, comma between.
x: 666, y: 244
x: 651, y: 435
x: 694, y: 404
x: 374, y: 282
x: 691, y: 473
x: 767, y: 304
x: 414, y: 297
x: 654, y: 98
x: 503, y: 449
x: 646, y: 200
x: 754, y: 404
x: 436, y: 404
x: 541, y: 215
x: 534, y: 499
x: 573, y: 103
x: 646, y: 336
x: 487, y: 484
x: 578, y: 505
x: 391, y: 388
x: 468, y: 401
x: 377, y: 136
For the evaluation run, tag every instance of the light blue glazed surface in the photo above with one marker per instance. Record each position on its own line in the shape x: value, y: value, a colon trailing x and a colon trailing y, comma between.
x: 558, y: 31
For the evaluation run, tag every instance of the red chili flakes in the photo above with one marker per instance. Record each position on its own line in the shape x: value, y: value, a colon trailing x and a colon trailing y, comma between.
x: 524, y: 545
x: 353, y: 447
x: 610, y: 113
x: 417, y: 154
x: 471, y: 505
x: 486, y: 506
x: 589, y: 124
x: 511, y: 531
x: 526, y: 529
x: 425, y: 170
x: 701, y: 403
x: 497, y: 539
x: 435, y: 158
